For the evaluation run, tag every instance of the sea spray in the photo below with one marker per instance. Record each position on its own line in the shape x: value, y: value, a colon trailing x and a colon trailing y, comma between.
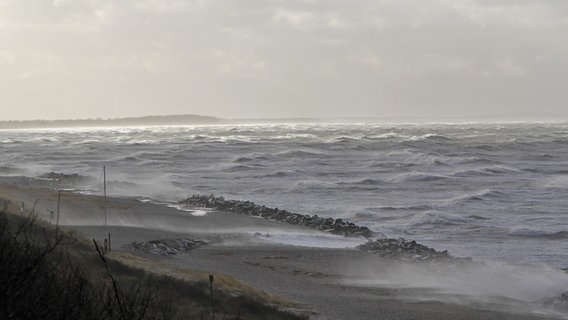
x: 489, y: 285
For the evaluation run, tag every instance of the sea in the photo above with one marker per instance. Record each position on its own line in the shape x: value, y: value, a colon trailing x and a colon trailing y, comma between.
x: 490, y: 191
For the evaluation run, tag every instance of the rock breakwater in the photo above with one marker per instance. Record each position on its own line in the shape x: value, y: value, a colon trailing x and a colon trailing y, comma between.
x: 66, y: 179
x: 405, y: 250
x: 331, y: 225
x: 166, y: 247
x: 378, y: 244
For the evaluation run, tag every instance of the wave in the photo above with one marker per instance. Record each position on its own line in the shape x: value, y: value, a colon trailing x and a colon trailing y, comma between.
x: 430, y: 136
x: 364, y: 181
x: 370, y: 181
x: 299, y: 136
x: 253, y: 157
x: 478, y: 217
x: 544, y: 156
x: 559, y: 182
x: 131, y: 159
x: 559, y: 141
x: 11, y: 141
x: 485, y: 171
x: 475, y: 160
x: 486, y: 147
x: 346, y: 139
x: 314, y: 185
x: 241, y: 159
x: 382, y: 164
x: 242, y: 167
x: 417, y: 177
x: 407, y: 208
x: 480, y: 195
x: 435, y: 218
x: 298, y: 153
x: 235, y: 139
x: 279, y: 174
x: 534, y: 233
x: 408, y: 158
x: 388, y: 135
x: 9, y: 170
x: 137, y: 142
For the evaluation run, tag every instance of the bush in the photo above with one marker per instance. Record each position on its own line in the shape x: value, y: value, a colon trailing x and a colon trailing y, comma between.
x: 40, y: 281
x: 48, y: 273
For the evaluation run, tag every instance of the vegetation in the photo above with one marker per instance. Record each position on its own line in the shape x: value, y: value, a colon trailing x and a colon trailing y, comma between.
x: 117, y: 122
x: 51, y: 273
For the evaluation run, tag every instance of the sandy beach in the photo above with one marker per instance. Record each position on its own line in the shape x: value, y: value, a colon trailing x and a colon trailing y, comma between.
x: 328, y: 283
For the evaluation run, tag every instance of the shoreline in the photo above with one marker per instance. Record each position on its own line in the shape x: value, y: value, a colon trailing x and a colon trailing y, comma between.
x: 332, y: 281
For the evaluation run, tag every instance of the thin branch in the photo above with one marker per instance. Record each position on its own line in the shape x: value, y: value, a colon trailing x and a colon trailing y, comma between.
x: 116, y: 290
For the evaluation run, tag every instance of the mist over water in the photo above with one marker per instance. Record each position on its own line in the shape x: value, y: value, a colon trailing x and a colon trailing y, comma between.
x: 496, y: 192
x: 493, y: 286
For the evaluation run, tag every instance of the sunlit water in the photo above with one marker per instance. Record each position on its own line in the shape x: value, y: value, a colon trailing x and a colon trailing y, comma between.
x: 494, y: 192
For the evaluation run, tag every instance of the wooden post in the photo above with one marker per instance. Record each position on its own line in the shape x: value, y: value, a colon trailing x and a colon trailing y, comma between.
x: 58, y: 206
x: 105, y: 206
x: 211, y: 287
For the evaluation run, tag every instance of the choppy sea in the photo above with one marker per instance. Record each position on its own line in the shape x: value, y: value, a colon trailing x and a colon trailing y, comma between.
x: 494, y: 192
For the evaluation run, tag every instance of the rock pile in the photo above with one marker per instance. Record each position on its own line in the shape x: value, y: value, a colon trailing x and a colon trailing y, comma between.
x: 331, y: 225
x: 404, y: 250
x: 166, y: 247
x: 378, y: 244
x: 66, y: 179
x: 559, y: 303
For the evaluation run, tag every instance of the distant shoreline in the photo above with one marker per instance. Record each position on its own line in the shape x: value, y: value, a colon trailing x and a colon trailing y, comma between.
x: 192, y: 119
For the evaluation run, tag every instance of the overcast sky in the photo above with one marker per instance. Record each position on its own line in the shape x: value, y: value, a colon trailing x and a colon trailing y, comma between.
x: 284, y: 58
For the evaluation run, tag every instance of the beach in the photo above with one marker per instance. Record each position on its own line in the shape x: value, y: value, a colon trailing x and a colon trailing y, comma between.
x: 324, y: 282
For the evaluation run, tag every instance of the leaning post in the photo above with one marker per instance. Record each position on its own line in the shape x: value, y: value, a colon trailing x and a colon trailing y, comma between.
x: 211, y: 288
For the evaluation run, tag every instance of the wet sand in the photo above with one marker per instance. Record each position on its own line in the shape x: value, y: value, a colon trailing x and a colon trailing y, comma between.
x: 329, y: 282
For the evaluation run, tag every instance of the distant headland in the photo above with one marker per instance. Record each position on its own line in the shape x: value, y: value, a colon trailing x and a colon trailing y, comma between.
x: 193, y: 119
x: 154, y: 120
x: 116, y: 122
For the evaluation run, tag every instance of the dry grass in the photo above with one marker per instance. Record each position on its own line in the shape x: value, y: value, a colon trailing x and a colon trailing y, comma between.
x: 168, y: 291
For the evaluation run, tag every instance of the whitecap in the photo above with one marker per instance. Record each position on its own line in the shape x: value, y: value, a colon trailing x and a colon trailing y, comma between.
x: 192, y: 211
x: 429, y: 136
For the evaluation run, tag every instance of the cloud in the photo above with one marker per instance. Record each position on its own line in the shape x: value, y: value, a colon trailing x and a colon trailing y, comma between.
x: 284, y: 58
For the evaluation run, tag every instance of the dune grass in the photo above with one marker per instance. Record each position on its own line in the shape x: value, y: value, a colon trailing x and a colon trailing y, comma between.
x: 50, y: 272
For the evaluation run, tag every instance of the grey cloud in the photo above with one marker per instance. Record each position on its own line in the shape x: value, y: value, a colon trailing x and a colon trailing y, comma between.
x: 281, y: 58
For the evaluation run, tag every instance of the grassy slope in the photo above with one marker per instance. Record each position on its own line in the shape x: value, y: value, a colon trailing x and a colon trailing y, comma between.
x: 185, y: 291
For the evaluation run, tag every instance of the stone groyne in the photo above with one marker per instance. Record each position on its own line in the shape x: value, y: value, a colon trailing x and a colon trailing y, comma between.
x: 166, y: 246
x: 331, y: 225
x: 407, y: 250
x: 378, y: 244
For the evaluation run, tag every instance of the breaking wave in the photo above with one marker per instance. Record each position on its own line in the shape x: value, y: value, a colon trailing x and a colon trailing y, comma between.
x: 430, y: 136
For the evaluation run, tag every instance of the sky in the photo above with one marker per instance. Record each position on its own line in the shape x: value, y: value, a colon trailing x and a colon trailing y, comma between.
x: 68, y: 59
